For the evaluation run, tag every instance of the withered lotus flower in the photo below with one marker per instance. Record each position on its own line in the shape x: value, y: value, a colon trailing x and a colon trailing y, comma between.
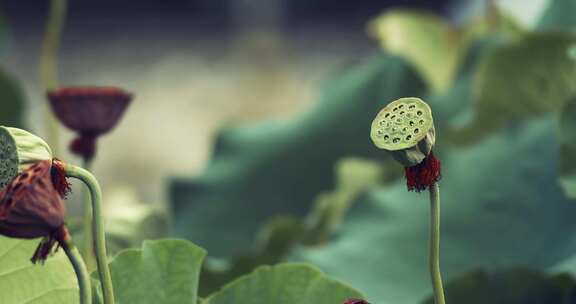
x: 90, y: 112
x: 31, y: 207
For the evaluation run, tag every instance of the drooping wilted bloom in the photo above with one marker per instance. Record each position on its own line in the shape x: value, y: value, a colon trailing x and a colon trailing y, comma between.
x: 30, y: 207
x: 19, y: 149
x: 90, y: 112
x: 405, y: 128
x: 356, y: 301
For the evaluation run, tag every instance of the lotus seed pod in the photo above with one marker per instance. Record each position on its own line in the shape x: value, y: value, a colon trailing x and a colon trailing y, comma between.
x: 405, y: 128
x: 19, y: 150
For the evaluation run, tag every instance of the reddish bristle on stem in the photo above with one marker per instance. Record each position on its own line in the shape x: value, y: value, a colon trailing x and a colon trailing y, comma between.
x: 59, y: 179
x: 423, y: 175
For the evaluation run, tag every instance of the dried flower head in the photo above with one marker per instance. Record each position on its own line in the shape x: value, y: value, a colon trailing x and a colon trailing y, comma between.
x: 30, y: 207
x: 19, y: 149
x: 89, y: 111
x: 405, y: 128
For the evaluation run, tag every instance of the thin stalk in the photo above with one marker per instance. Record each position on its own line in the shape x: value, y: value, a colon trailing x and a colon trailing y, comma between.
x: 49, y: 62
x: 81, y: 272
x: 97, y: 228
x: 88, y: 245
x: 434, y: 258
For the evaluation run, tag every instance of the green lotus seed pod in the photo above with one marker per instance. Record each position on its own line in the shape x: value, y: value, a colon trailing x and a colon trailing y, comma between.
x: 405, y: 128
x: 19, y: 150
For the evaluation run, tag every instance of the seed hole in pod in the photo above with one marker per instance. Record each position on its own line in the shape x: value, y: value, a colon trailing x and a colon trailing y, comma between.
x: 404, y: 129
x: 394, y: 129
x: 393, y: 116
x: 388, y: 125
x: 411, y: 123
x: 401, y: 112
x: 419, y: 113
x: 399, y: 120
x: 396, y: 140
x: 395, y: 109
x: 386, y: 137
x: 400, y: 106
x: 421, y: 121
x: 416, y: 131
x: 409, y: 137
x: 411, y: 106
x: 387, y: 114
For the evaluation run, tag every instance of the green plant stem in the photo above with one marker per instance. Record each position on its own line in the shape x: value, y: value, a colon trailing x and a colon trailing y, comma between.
x: 88, y: 246
x: 81, y: 272
x: 49, y: 62
x: 97, y: 228
x: 434, y: 258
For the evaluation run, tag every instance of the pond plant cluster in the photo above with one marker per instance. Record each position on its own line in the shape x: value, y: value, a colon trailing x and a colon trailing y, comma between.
x: 516, y: 85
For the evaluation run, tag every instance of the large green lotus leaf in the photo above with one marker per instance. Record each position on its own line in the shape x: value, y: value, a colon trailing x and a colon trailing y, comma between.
x: 22, y: 282
x: 510, y: 286
x: 12, y: 101
x: 568, y: 148
x: 559, y: 15
x: 284, y: 284
x: 433, y: 46
x: 274, y: 168
x: 501, y: 206
x: 526, y: 77
x: 163, y: 271
x: 425, y: 40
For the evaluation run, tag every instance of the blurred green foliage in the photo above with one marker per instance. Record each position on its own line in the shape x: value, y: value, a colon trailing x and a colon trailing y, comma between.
x: 510, y: 286
x: 504, y: 98
x: 260, y: 171
x: 12, y: 101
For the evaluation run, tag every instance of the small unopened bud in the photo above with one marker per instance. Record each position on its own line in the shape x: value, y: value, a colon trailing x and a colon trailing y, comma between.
x: 405, y: 128
x: 30, y: 207
x: 19, y: 149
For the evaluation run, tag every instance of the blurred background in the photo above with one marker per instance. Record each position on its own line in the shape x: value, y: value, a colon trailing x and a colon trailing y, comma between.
x: 249, y: 134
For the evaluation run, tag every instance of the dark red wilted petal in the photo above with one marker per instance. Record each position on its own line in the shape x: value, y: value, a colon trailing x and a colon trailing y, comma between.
x: 59, y: 179
x: 30, y: 206
x: 423, y: 175
x: 356, y: 301
x: 89, y: 110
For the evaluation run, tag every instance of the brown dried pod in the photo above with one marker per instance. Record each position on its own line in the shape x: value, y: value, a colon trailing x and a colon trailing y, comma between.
x: 89, y: 111
x: 30, y: 207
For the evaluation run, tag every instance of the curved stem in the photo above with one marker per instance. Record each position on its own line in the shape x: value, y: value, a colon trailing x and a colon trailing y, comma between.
x: 434, y: 258
x: 97, y: 228
x: 88, y: 245
x: 81, y: 272
x: 49, y: 61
